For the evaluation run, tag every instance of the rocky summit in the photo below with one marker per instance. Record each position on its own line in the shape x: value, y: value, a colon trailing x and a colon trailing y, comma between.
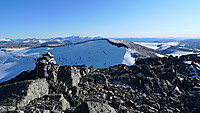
x: 153, y: 85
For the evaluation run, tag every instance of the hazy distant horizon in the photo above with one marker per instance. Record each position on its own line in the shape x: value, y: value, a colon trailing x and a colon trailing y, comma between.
x: 173, y: 38
x: 162, y: 37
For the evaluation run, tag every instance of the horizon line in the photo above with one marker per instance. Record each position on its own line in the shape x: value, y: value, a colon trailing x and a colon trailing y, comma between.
x: 110, y: 37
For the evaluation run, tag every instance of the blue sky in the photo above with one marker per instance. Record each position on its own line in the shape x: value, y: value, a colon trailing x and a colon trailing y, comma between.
x: 106, y: 18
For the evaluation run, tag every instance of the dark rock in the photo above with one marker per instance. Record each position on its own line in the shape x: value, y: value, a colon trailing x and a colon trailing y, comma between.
x: 55, y: 102
x: 63, y: 104
x: 99, y: 78
x: 196, y: 99
x: 94, y: 107
x: 83, y: 69
x: 117, y: 103
x: 69, y: 75
x: 58, y: 87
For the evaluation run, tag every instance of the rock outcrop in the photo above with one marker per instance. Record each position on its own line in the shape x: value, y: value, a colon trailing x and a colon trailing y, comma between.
x: 153, y: 85
x: 69, y: 75
x: 19, y: 94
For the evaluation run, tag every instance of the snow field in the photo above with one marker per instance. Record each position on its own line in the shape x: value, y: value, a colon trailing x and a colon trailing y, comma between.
x: 160, y: 46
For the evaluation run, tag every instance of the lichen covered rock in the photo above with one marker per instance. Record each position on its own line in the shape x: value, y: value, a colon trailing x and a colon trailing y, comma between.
x: 21, y: 93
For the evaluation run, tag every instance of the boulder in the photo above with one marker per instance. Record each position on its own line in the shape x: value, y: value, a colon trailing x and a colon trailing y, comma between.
x: 62, y: 103
x: 98, y: 78
x: 69, y: 75
x: 58, y: 87
x: 21, y: 93
x: 117, y: 103
x: 94, y: 107
x: 83, y: 69
x: 52, y: 102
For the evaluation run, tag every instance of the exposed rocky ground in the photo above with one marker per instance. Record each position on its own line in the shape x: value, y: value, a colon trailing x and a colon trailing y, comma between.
x: 153, y: 85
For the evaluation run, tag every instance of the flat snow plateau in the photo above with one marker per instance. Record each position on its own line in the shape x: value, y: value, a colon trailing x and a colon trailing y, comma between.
x: 100, y: 54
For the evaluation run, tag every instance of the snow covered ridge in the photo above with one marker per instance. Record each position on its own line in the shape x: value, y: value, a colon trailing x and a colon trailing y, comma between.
x: 99, y: 53
x: 12, y: 49
x: 136, y: 49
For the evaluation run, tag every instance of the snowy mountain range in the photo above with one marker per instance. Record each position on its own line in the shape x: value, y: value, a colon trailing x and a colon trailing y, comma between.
x: 33, y: 42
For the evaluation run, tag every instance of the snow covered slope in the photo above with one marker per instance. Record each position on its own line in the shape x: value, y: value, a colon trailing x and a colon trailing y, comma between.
x: 99, y: 53
x: 171, y: 48
x: 157, y: 45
